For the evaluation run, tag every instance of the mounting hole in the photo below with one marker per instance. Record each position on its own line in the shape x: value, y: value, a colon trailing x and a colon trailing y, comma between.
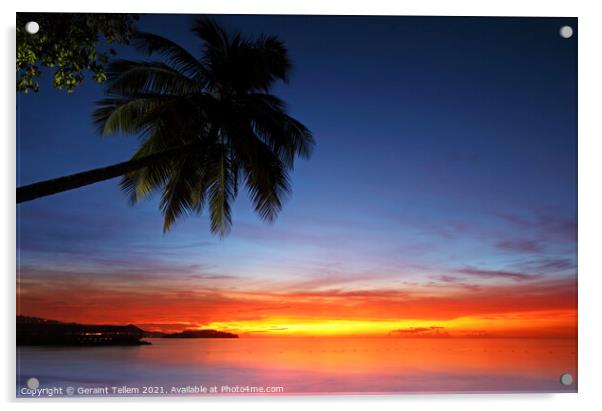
x: 32, y: 27
x: 33, y: 383
x: 566, y: 32
x: 566, y: 379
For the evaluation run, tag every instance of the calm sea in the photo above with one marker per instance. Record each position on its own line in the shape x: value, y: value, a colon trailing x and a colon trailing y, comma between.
x: 300, y: 366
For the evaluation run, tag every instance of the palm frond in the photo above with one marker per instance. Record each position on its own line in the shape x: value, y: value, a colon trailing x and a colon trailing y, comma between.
x: 176, y: 56
x: 266, y: 176
x: 172, y: 119
x: 184, y: 191
x: 141, y: 183
x: 115, y: 115
x: 269, y: 61
x: 215, y: 38
x: 131, y: 78
x: 220, y: 191
x: 285, y: 135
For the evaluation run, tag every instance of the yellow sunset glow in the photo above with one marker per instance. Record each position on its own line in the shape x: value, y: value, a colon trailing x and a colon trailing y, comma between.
x: 299, y: 326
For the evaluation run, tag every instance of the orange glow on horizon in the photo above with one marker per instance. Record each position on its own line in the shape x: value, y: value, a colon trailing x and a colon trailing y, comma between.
x: 548, y: 323
x: 542, y: 308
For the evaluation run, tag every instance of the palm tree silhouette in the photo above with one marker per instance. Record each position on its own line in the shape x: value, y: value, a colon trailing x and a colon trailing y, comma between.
x: 206, y: 125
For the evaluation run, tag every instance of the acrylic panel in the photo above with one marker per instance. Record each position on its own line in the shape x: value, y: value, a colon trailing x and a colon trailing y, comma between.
x: 295, y: 205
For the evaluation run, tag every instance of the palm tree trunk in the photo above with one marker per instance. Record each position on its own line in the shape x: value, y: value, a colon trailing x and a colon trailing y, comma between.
x: 66, y: 183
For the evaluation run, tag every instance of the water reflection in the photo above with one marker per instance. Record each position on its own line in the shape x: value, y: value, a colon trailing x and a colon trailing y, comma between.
x: 315, y: 365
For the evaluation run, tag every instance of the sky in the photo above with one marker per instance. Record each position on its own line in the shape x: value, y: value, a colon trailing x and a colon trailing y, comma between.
x: 440, y: 200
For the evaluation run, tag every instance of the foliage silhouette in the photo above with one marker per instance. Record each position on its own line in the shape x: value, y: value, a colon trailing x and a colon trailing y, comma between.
x: 207, y: 124
x: 69, y: 43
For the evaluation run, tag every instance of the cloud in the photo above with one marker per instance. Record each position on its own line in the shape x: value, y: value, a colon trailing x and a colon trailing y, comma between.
x: 433, y: 331
x: 524, y: 246
x: 444, y: 280
x: 212, y: 277
x: 120, y: 270
x: 549, y: 265
x: 267, y: 330
x: 479, y: 273
x: 548, y: 224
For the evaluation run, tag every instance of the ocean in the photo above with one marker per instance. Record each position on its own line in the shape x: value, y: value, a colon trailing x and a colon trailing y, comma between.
x: 297, y: 366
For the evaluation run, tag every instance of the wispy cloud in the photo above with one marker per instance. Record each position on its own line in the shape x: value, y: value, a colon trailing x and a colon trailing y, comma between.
x: 480, y: 273
x: 548, y: 265
x: 445, y: 280
x: 212, y: 277
x: 433, y: 331
x: 522, y: 246
x: 548, y: 224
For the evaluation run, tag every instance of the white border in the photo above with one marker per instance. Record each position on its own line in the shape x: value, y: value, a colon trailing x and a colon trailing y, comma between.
x: 590, y: 199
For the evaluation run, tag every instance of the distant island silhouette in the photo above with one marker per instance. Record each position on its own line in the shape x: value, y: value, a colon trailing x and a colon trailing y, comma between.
x: 201, y: 334
x: 40, y: 331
